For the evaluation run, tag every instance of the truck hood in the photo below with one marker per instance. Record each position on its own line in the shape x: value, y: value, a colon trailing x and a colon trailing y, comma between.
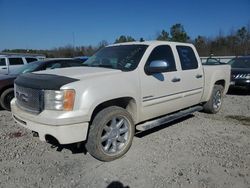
x: 80, y: 72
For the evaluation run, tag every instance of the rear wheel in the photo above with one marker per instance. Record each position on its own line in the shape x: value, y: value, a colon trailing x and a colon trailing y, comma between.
x: 6, y: 97
x: 215, y: 102
x: 111, y: 134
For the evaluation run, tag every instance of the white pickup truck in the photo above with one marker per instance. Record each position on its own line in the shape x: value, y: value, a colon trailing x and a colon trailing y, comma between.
x: 123, y: 87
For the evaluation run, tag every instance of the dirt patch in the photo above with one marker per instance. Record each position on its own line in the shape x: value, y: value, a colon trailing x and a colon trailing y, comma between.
x: 16, y: 134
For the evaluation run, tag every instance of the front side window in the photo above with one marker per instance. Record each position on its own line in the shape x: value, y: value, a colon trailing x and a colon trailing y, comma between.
x: 15, y: 61
x: 2, y: 62
x: 122, y: 57
x: 163, y: 53
x: 187, y: 57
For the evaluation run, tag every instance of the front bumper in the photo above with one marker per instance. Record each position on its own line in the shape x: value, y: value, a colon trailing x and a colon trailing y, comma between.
x: 52, y: 124
x: 241, y: 83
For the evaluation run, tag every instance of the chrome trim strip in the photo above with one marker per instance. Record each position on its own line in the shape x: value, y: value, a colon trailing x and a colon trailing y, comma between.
x: 172, y: 94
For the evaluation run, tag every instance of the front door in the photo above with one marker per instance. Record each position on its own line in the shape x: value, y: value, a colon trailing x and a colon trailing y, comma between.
x: 161, y: 92
x: 3, y: 66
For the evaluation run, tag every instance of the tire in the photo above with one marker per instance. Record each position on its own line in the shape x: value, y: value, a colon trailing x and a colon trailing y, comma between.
x: 111, y: 134
x: 6, y: 97
x: 215, y: 102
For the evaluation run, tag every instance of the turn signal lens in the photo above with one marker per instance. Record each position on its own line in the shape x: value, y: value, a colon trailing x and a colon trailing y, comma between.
x: 69, y: 100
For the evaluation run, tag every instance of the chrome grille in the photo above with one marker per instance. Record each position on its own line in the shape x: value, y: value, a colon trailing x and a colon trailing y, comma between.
x: 240, y: 76
x: 28, y: 99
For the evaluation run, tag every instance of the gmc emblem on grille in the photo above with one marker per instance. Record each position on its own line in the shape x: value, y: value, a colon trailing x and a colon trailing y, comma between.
x: 22, y: 96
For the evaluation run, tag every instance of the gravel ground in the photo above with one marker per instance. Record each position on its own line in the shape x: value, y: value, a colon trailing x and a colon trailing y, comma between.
x: 201, y: 150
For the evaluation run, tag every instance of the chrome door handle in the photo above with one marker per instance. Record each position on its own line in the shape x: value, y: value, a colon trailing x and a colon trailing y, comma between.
x: 176, y: 80
x: 4, y: 68
x: 198, y: 76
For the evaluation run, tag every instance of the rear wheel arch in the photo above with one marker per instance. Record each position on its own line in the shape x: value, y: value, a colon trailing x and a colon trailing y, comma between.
x: 221, y: 83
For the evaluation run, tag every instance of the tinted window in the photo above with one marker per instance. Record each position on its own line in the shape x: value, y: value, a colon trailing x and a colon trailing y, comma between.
x: 2, y: 62
x: 53, y: 65
x: 73, y: 63
x: 187, y: 58
x: 243, y: 62
x: 30, y: 59
x: 15, y: 61
x: 163, y: 53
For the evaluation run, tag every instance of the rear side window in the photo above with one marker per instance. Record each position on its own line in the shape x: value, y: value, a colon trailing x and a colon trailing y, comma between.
x: 187, y: 58
x: 30, y: 59
x: 164, y: 53
x: 15, y: 61
x: 2, y: 62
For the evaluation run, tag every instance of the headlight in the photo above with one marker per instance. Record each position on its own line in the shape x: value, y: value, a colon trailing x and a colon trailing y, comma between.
x: 59, y: 100
x: 248, y: 76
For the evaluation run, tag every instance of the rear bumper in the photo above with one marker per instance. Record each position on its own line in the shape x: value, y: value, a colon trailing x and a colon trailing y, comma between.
x: 64, y: 133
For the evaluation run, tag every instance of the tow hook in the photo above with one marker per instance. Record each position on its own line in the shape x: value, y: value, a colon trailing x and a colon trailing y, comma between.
x: 35, y: 134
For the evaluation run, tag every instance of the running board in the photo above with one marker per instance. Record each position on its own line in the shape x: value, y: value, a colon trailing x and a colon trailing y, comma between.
x: 168, y: 118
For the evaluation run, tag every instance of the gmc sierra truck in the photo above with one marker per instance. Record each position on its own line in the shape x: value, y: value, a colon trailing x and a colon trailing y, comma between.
x: 122, y: 88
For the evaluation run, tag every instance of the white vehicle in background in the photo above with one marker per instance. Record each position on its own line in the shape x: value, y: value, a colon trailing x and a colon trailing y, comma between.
x: 9, y: 63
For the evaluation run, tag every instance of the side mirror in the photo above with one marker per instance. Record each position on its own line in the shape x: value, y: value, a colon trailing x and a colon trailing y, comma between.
x: 157, y: 66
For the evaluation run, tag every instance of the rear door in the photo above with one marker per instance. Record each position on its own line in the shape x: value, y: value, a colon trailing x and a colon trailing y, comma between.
x: 192, y: 78
x: 3, y: 66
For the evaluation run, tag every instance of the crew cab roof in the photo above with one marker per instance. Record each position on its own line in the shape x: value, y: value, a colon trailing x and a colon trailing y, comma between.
x: 154, y: 42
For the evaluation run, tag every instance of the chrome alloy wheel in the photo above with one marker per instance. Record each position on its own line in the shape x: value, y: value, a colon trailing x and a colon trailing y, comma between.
x: 217, y: 100
x: 115, y: 135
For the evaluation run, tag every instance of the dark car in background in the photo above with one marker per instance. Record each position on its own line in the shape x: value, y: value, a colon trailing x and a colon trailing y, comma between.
x: 240, y: 72
x: 7, y: 81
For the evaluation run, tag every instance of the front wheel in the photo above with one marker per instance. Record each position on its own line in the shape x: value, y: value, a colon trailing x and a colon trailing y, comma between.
x: 111, y: 134
x: 6, y: 97
x: 215, y: 102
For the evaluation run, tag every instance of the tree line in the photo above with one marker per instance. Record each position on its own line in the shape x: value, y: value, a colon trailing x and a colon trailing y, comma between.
x: 236, y: 43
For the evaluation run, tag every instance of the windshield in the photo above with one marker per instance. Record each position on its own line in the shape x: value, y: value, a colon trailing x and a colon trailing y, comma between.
x: 27, y: 68
x: 240, y: 62
x: 123, y: 57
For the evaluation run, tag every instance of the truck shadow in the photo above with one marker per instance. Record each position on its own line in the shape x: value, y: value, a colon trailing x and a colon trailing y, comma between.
x: 140, y: 134
x: 238, y: 91
x: 75, y: 148
x: 78, y: 148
